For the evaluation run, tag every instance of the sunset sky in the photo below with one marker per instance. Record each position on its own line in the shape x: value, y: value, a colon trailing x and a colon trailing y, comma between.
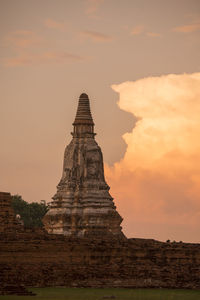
x: 139, y: 62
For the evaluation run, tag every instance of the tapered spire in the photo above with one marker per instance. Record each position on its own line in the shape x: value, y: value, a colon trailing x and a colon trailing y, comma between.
x: 83, y: 111
x: 83, y: 123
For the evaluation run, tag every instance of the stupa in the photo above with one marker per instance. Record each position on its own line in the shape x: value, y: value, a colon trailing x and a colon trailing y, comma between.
x: 83, y: 205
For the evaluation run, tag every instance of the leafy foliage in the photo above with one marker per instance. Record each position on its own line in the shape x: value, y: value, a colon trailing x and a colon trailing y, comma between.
x: 31, y: 213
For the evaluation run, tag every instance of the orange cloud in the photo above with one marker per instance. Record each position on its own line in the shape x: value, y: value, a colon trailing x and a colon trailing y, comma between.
x: 43, y: 58
x: 49, y: 23
x: 29, y: 50
x: 187, y: 28
x: 157, y: 183
x: 92, y: 6
x: 153, y: 34
x: 137, y: 30
x: 96, y: 36
x: 21, y: 39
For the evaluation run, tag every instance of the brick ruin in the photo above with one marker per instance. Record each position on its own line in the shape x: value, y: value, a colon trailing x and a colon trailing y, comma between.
x: 8, y: 221
x: 40, y: 259
x: 9, y: 226
x: 67, y: 254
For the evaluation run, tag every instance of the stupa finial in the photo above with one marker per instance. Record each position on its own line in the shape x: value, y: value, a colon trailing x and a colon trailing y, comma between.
x: 83, y: 121
x: 83, y: 110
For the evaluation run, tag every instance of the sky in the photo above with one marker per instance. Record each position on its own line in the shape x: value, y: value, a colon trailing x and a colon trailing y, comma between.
x: 139, y: 62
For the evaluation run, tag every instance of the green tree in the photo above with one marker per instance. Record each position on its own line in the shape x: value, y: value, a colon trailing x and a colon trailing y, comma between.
x: 31, y: 213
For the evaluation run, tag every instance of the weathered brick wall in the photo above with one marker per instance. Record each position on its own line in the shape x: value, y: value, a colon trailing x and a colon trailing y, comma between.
x: 8, y: 222
x: 38, y: 259
x: 35, y: 258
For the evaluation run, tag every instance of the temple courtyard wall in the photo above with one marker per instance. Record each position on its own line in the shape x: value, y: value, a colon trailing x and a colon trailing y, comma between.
x: 40, y: 259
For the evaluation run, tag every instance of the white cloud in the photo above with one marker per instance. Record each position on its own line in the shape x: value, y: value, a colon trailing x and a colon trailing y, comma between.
x: 158, y: 180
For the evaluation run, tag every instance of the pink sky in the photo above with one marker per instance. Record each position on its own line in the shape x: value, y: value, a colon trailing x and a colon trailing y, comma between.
x: 53, y: 51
